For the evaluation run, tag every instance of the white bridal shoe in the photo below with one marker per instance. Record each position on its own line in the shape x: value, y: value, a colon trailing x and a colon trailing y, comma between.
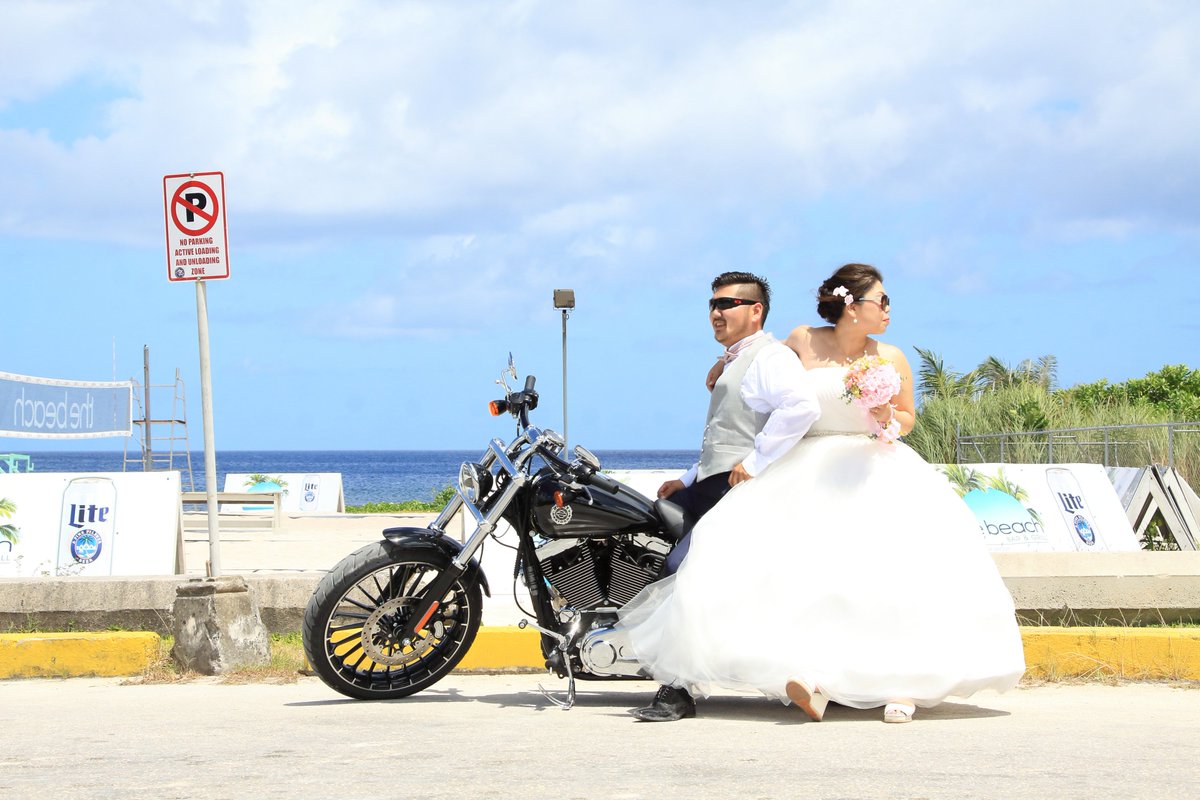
x: 807, y: 699
x: 898, y: 712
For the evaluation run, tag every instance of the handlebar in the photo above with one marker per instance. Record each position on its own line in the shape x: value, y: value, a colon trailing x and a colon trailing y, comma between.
x: 600, y: 480
x: 519, y: 404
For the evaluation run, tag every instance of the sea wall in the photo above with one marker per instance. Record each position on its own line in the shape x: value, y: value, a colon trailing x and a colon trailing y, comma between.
x: 1048, y: 589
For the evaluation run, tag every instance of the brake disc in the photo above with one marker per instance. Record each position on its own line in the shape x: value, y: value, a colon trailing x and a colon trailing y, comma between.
x: 379, y: 639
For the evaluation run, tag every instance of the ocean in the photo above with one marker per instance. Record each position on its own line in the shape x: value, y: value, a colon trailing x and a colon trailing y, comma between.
x: 367, y: 475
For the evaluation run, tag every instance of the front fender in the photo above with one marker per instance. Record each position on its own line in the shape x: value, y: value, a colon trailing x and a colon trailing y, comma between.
x: 424, y: 537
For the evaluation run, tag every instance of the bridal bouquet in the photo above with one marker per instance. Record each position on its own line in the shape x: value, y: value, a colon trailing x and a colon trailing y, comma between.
x: 873, y: 381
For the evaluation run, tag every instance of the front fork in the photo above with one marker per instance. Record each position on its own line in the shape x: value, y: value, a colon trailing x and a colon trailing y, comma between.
x: 485, y: 524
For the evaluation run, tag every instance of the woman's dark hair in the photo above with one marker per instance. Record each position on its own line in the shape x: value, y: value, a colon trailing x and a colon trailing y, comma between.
x: 761, y: 290
x: 858, y: 280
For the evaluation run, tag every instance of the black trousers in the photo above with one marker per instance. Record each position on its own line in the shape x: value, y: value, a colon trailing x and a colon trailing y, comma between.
x: 696, y: 501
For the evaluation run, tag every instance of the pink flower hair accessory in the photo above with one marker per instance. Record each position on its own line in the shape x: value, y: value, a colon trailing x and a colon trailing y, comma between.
x: 844, y: 293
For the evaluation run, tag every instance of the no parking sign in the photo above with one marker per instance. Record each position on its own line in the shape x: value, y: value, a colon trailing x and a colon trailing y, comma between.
x: 197, y: 239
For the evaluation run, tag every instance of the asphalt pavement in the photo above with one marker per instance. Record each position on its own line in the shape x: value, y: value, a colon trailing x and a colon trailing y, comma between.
x: 476, y: 736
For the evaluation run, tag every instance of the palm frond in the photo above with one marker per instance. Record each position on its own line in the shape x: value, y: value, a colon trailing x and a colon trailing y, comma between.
x: 994, y: 374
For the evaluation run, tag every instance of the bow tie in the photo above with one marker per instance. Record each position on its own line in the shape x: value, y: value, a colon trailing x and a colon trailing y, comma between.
x: 734, y: 350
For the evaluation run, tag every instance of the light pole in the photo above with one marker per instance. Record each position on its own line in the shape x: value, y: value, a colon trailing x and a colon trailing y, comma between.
x: 564, y: 299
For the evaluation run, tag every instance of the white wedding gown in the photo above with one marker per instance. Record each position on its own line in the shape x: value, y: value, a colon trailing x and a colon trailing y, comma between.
x: 848, y: 563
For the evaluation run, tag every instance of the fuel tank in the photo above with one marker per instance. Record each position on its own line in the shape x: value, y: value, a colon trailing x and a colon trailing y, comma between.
x: 588, y: 511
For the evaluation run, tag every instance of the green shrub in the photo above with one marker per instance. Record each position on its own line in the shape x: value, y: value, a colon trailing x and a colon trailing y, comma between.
x: 440, y: 499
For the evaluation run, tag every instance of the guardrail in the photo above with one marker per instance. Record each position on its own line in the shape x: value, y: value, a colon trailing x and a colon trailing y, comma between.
x: 1108, y: 444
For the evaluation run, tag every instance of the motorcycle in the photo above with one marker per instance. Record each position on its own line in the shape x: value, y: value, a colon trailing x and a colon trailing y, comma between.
x: 396, y: 616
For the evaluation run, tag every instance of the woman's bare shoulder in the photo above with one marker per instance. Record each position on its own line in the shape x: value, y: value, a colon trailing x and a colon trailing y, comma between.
x: 891, y: 352
x: 801, y: 333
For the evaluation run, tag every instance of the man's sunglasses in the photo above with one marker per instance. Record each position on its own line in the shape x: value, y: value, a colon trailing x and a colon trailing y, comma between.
x: 726, y: 303
x: 883, y: 302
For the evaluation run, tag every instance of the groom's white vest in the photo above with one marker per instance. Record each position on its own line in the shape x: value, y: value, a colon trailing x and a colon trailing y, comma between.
x: 732, y: 425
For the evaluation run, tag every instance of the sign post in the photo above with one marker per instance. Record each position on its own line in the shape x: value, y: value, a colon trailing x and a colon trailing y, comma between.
x: 198, y: 250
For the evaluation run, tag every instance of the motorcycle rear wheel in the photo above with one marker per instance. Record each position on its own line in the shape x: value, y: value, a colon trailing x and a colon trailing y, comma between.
x: 353, y: 620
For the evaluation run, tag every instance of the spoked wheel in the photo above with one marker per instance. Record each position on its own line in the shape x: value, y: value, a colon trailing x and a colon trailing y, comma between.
x: 354, y: 622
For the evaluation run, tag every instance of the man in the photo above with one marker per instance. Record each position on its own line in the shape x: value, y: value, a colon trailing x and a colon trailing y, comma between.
x: 761, y: 405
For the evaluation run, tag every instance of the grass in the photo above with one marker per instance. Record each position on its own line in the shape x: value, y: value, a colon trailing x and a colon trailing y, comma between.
x: 286, y: 664
x: 1068, y: 618
x: 439, y: 501
x: 1028, y: 408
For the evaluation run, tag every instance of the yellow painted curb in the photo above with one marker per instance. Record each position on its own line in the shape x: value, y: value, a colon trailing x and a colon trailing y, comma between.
x: 75, y: 655
x: 1146, y: 653
x: 504, y: 648
x: 1160, y: 653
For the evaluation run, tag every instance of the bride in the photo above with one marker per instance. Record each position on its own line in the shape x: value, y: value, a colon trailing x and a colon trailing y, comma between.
x: 848, y: 570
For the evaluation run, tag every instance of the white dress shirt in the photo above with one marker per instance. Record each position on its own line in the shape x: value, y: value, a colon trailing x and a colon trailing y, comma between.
x: 777, y: 384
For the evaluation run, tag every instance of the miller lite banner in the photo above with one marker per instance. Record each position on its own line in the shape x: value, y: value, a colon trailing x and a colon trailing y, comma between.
x: 48, y: 408
x: 113, y: 523
x: 1017, y: 507
x: 1044, y: 507
x: 300, y: 492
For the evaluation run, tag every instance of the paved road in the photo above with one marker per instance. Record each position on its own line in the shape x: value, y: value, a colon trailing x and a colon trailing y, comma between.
x: 497, y: 737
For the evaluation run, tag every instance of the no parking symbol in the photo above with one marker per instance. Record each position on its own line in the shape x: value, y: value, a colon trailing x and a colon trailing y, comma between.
x: 197, y: 239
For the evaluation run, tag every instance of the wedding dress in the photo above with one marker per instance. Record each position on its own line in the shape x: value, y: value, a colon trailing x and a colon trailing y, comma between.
x: 849, y: 564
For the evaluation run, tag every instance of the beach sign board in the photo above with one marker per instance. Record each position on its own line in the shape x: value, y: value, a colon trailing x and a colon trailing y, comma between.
x: 301, y: 492
x: 89, y: 524
x: 197, y: 237
x: 1044, y: 507
x: 49, y: 408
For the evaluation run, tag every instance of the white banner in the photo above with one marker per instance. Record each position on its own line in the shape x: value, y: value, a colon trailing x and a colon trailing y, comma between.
x: 1019, y: 507
x: 110, y: 523
x: 48, y: 408
x: 302, y: 491
x: 1060, y: 507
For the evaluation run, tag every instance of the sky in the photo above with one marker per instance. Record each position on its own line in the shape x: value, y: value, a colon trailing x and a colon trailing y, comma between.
x: 407, y: 183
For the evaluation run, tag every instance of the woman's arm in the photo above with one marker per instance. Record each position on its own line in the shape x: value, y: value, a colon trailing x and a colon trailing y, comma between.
x: 714, y: 373
x: 903, y: 406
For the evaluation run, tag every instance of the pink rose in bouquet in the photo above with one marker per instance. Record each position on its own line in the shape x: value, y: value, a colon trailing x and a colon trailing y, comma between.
x: 872, y: 381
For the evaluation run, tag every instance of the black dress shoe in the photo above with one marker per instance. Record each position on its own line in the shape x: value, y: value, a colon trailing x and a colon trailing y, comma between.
x: 669, y: 705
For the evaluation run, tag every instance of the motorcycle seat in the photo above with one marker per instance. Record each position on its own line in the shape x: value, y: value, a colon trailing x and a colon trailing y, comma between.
x: 672, y: 519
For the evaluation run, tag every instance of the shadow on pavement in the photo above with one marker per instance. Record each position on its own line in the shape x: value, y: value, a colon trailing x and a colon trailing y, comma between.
x: 725, y: 707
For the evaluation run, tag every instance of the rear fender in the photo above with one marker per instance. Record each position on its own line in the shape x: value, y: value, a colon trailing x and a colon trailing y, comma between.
x: 426, y: 538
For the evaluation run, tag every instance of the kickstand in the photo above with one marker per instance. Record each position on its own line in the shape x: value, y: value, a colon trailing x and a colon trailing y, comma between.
x: 565, y: 705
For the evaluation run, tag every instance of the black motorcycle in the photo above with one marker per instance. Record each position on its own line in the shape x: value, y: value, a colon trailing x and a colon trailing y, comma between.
x: 392, y: 618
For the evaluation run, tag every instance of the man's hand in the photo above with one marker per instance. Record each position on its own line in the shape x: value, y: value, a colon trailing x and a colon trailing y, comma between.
x: 669, y: 488
x: 714, y: 373
x: 738, y: 474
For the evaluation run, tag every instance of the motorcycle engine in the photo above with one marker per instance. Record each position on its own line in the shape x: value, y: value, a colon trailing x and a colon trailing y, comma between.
x: 592, y: 573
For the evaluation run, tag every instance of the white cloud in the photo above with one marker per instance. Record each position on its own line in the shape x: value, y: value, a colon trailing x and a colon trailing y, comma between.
x: 541, y: 118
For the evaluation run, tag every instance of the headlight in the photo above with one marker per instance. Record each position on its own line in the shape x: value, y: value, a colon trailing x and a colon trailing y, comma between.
x: 474, y: 481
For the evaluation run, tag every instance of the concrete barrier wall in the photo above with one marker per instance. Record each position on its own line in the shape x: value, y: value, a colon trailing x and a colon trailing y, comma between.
x: 1048, y: 589
x: 1103, y: 588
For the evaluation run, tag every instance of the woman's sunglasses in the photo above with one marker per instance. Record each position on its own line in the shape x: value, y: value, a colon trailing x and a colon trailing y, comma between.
x: 883, y: 302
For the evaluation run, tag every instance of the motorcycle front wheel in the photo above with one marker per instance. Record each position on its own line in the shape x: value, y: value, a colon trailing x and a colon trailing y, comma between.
x: 353, y: 622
